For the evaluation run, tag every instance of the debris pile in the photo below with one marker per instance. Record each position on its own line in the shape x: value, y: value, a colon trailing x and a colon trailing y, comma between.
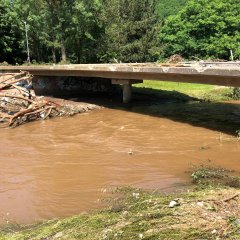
x: 19, y: 104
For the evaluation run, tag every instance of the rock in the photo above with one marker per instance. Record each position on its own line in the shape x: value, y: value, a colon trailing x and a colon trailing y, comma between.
x: 136, y: 195
x: 140, y: 236
x: 173, y: 204
x: 237, y: 221
x: 130, y: 152
x: 200, y: 204
x: 57, y: 235
x: 214, y: 231
x: 150, y: 232
x: 125, y: 213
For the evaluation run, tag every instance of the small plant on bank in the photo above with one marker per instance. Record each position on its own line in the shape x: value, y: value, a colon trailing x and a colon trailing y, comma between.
x: 236, y: 93
x: 238, y: 133
x: 206, y: 175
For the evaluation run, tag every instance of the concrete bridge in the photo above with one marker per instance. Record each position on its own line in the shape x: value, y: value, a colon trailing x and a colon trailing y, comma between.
x: 214, y: 73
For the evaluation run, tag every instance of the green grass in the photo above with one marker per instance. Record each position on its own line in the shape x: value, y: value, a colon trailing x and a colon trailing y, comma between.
x: 172, y: 89
x: 202, y: 105
x: 181, y: 87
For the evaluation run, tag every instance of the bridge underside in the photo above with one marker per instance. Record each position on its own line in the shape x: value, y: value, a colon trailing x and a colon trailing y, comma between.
x: 214, y: 73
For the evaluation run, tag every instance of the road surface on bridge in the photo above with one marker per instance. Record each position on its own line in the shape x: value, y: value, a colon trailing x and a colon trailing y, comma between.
x: 221, y: 73
x: 214, y: 73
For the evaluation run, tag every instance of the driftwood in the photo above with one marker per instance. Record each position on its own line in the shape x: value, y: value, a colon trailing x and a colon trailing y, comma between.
x: 230, y: 198
x: 18, y: 105
x: 21, y: 89
x: 4, y: 115
x: 15, y: 76
x: 16, y: 96
x: 11, y: 81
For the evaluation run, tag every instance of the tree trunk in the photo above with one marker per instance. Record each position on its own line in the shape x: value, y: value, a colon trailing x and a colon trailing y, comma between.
x: 79, y: 51
x: 54, y: 55
x: 63, y: 50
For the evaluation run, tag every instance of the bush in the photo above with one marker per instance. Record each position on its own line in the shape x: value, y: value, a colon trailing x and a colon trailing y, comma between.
x: 236, y: 93
x: 211, y: 176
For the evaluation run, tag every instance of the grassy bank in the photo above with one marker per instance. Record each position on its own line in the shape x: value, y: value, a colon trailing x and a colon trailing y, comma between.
x: 212, y: 107
x: 185, y: 90
x: 209, y: 211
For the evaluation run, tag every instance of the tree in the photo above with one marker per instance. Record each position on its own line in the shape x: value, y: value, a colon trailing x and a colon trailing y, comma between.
x: 167, y: 8
x: 34, y: 14
x: 131, y: 30
x: 62, y: 30
x: 87, y: 31
x: 11, y: 49
x: 203, y: 29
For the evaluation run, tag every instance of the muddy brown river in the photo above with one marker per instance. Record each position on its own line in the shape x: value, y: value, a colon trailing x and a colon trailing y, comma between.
x: 62, y: 167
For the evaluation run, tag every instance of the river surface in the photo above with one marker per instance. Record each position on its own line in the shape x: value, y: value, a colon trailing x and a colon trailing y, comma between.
x: 61, y: 167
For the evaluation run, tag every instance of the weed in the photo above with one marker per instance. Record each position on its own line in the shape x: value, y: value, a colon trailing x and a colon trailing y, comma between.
x: 211, y: 176
x: 236, y: 93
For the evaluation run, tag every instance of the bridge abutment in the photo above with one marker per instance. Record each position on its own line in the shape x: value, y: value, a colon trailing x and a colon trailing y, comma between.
x: 73, y: 86
x: 81, y: 86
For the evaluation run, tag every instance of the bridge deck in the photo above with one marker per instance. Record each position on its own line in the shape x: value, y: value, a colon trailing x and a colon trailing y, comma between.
x: 214, y: 73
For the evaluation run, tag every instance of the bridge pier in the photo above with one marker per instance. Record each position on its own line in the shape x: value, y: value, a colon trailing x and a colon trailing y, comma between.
x: 127, y: 93
x: 126, y: 88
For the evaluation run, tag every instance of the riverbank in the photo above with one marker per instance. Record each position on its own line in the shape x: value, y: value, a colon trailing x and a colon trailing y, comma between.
x: 186, y: 91
x: 209, y: 210
x: 201, y: 105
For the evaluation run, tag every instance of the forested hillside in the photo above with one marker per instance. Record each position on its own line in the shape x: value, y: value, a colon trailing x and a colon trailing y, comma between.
x: 83, y: 31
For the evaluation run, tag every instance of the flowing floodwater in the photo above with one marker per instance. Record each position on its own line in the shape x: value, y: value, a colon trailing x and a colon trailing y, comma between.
x: 60, y: 167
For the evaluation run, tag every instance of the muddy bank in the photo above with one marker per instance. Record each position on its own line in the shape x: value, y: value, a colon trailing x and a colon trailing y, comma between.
x: 206, y: 212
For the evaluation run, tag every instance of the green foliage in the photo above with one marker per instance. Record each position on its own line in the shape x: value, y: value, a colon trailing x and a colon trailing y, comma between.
x: 203, y: 29
x: 66, y: 30
x: 10, y: 46
x: 167, y: 8
x: 236, y: 93
x: 83, y: 31
x: 186, y: 91
x: 238, y: 133
x: 211, y: 175
x: 132, y: 30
